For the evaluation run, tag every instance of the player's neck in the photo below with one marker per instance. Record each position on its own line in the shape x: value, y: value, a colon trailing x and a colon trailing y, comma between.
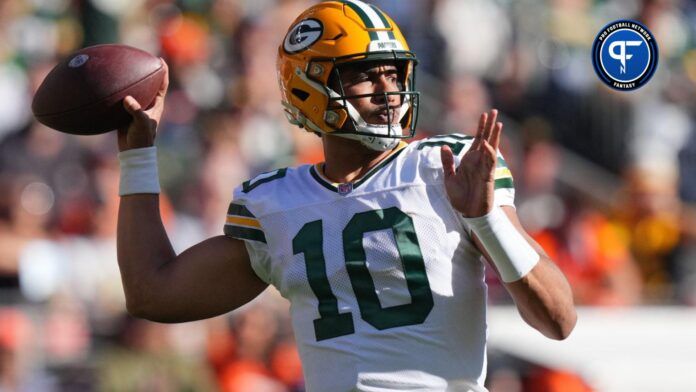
x: 347, y: 160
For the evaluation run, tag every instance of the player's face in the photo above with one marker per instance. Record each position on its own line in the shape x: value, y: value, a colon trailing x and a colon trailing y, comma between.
x: 370, y: 79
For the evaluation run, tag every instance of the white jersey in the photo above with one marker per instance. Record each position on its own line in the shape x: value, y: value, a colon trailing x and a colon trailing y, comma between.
x: 386, y: 287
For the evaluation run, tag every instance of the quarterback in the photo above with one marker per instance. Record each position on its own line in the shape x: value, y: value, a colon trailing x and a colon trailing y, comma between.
x: 379, y: 249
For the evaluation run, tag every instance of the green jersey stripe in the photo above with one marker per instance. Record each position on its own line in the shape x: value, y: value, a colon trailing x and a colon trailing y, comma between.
x: 245, y: 233
x: 451, y: 136
x: 248, y: 186
x: 456, y: 147
x: 379, y: 166
x: 239, y: 210
x: 455, y: 142
x: 504, y: 183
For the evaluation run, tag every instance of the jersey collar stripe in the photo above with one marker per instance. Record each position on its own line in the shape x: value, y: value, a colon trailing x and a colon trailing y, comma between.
x: 385, y: 161
x: 318, y: 169
x: 315, y: 170
x: 239, y: 210
x: 326, y: 184
x: 244, y: 233
x: 234, y: 220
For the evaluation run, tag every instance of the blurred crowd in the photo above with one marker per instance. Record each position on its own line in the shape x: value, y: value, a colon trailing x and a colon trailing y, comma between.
x: 605, y: 180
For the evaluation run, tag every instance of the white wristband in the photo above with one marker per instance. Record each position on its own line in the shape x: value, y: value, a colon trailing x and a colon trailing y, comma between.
x: 138, y: 171
x: 511, y: 253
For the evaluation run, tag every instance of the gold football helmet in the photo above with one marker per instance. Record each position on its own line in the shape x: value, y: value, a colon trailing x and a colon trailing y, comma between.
x: 322, y: 40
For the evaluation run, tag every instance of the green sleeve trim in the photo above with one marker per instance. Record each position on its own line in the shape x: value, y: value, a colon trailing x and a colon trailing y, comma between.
x: 504, y: 183
x: 245, y: 233
x: 239, y: 210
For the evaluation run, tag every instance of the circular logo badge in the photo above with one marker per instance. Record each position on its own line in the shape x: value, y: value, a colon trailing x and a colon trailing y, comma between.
x: 624, y: 55
x: 303, y: 35
x: 78, y: 61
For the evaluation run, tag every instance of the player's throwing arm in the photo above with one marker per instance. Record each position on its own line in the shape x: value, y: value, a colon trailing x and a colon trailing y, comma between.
x: 208, y: 279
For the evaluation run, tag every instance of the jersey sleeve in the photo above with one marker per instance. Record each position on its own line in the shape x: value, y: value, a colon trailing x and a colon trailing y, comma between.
x: 459, y: 144
x: 241, y: 223
x: 504, y: 185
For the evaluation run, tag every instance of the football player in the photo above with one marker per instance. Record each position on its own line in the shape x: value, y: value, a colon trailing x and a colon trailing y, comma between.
x: 378, y: 249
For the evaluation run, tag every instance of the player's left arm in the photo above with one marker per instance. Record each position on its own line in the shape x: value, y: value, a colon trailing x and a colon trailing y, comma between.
x: 543, y: 295
x: 539, y: 289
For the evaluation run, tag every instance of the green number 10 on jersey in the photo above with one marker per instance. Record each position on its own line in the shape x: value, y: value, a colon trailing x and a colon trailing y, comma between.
x: 309, y: 242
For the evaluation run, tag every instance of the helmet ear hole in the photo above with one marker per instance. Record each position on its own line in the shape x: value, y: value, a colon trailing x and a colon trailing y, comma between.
x: 301, y: 94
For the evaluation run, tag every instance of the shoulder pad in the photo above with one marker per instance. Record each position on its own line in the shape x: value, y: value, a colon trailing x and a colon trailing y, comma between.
x: 456, y: 141
x: 250, y: 185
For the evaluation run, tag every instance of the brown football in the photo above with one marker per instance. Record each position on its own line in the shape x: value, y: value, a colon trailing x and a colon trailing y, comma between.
x: 84, y: 93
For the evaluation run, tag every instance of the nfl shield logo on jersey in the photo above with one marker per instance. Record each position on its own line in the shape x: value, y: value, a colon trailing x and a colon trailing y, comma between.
x: 345, y: 188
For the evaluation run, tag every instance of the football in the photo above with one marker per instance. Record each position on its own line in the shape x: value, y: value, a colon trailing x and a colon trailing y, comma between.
x: 84, y: 93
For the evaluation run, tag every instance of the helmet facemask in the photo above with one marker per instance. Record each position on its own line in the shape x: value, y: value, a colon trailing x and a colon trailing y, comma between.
x: 379, y: 137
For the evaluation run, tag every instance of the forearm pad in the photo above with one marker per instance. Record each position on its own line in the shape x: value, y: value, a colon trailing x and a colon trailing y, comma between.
x: 512, y: 255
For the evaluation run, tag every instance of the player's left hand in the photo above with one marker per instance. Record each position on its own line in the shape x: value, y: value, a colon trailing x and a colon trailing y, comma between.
x: 470, y: 187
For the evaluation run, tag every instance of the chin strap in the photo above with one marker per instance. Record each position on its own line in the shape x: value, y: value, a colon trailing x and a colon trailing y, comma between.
x: 381, y: 141
x: 373, y: 142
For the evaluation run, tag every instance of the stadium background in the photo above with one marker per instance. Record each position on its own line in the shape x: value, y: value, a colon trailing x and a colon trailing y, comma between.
x: 605, y: 180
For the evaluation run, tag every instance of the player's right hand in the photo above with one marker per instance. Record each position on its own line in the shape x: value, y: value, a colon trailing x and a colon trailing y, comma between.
x: 142, y: 130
